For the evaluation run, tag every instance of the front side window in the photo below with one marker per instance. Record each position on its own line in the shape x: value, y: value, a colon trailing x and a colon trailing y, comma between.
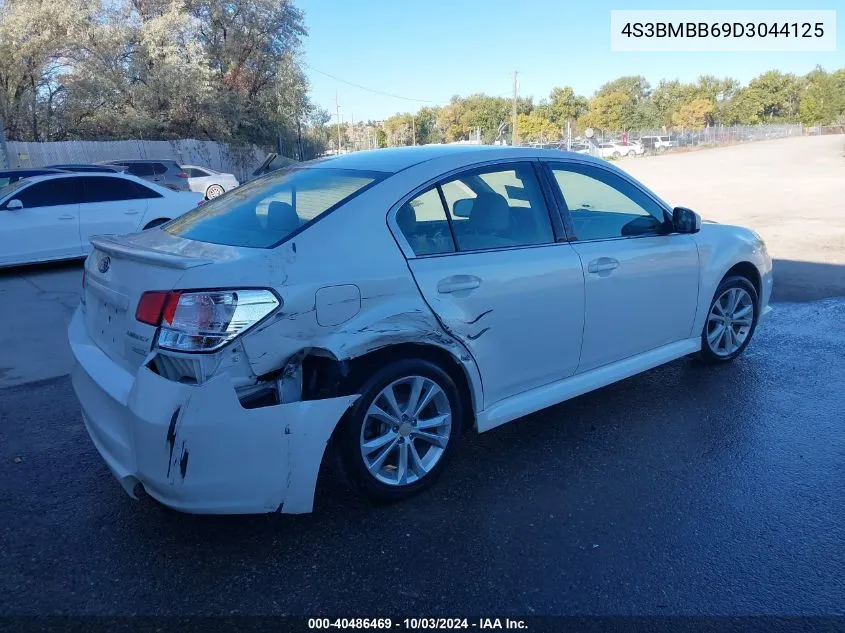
x: 498, y: 208
x: 51, y: 193
x: 266, y: 211
x: 603, y: 205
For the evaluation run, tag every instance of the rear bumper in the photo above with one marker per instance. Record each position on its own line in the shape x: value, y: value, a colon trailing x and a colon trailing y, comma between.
x: 194, y: 448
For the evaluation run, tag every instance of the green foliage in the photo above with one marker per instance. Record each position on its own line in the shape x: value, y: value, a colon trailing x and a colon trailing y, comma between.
x: 694, y: 115
x: 536, y: 127
x: 154, y: 69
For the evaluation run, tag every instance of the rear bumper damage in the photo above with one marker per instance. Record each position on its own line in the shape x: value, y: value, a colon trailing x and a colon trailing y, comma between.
x: 194, y: 448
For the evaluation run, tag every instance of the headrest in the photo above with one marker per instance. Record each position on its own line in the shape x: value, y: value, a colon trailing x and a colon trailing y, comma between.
x: 281, y: 217
x: 406, y: 219
x: 490, y: 212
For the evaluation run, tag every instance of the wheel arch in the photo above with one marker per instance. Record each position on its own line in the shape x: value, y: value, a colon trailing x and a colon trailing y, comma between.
x: 324, y: 375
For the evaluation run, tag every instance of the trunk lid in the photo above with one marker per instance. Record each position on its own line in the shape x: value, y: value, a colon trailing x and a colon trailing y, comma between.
x: 120, y: 269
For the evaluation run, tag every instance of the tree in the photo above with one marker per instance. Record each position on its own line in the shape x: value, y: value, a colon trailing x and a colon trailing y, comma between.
x: 563, y: 105
x: 822, y: 98
x: 535, y: 127
x: 636, y: 87
x: 669, y: 97
x: 694, y: 115
x: 608, y: 111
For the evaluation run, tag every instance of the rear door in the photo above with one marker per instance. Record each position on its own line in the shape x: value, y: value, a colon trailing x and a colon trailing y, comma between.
x: 641, y: 281
x: 47, y: 227
x: 484, y: 251
x: 112, y: 205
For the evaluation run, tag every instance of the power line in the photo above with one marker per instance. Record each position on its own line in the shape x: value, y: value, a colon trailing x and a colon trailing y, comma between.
x: 354, y: 85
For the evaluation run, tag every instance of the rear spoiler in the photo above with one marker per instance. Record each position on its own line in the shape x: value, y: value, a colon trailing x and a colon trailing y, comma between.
x: 113, y: 245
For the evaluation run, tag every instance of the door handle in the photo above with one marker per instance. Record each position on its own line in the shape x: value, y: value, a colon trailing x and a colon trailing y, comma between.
x: 131, y: 212
x: 457, y: 283
x: 602, y: 264
x: 67, y: 217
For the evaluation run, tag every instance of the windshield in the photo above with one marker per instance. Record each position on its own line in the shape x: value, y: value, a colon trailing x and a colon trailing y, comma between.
x: 265, y: 212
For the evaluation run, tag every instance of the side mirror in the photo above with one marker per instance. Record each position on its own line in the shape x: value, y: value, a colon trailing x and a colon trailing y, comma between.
x: 685, y: 220
x: 14, y: 205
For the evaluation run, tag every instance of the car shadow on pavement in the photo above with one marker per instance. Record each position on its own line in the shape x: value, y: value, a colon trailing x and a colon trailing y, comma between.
x: 807, y: 281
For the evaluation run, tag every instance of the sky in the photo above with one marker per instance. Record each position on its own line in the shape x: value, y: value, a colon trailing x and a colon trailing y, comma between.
x: 429, y: 50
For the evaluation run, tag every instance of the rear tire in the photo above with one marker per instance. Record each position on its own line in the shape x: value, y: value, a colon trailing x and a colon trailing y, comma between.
x: 156, y: 223
x: 390, y: 449
x: 731, y: 321
x: 213, y: 191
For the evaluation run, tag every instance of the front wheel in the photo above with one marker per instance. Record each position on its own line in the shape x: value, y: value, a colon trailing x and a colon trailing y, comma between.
x: 617, y: 155
x: 731, y: 321
x: 632, y: 153
x: 401, y: 432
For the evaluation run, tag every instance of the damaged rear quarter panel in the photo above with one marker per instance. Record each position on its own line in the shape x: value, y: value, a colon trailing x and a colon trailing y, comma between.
x: 211, y: 448
x: 351, y: 246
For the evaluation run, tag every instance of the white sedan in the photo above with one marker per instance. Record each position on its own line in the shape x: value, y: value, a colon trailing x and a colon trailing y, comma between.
x: 208, y: 182
x: 387, y: 301
x: 53, y: 217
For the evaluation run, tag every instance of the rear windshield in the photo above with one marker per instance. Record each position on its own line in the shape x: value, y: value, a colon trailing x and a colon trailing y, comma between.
x: 266, y: 211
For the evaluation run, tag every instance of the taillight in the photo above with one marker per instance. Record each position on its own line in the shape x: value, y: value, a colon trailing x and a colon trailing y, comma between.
x: 203, y: 321
x: 150, y: 307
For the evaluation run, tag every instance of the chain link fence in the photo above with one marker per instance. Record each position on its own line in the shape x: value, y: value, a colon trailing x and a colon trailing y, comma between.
x: 617, y: 144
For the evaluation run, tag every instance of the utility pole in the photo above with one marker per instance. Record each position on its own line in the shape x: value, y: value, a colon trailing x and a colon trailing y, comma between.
x: 414, y: 129
x: 514, y: 135
x: 337, y: 109
x: 352, y: 126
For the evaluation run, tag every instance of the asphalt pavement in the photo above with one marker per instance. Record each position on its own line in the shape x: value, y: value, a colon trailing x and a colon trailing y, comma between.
x: 685, y: 490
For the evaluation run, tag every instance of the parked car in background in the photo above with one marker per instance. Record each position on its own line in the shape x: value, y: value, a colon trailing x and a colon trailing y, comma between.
x: 613, y: 149
x: 389, y: 300
x: 273, y: 162
x: 208, y: 182
x: 87, y: 167
x: 54, y: 216
x: 632, y: 148
x: 8, y: 176
x: 164, y: 172
x: 657, y: 143
x: 580, y: 147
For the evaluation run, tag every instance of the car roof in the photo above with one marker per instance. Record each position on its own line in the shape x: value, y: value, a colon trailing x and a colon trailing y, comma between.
x: 31, y: 170
x: 395, y: 159
x: 142, y: 160
x: 104, y: 174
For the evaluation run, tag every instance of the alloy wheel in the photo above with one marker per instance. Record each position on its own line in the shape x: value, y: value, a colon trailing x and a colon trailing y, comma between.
x: 406, y: 430
x: 729, y: 322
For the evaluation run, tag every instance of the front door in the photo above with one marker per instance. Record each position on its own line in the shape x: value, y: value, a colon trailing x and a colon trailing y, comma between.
x: 497, y: 278
x: 47, y: 227
x: 641, y: 281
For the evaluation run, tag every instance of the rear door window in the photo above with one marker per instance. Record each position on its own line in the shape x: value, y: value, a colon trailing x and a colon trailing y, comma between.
x: 265, y: 212
x: 105, y: 189
x: 424, y: 225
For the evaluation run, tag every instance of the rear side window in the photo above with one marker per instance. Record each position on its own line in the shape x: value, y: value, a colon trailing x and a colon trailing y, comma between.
x: 51, y: 193
x: 424, y: 224
x: 140, y: 169
x: 265, y: 212
x: 105, y: 189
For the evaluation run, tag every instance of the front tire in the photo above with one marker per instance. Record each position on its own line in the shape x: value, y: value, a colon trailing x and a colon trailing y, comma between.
x: 400, y: 434
x: 731, y: 320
